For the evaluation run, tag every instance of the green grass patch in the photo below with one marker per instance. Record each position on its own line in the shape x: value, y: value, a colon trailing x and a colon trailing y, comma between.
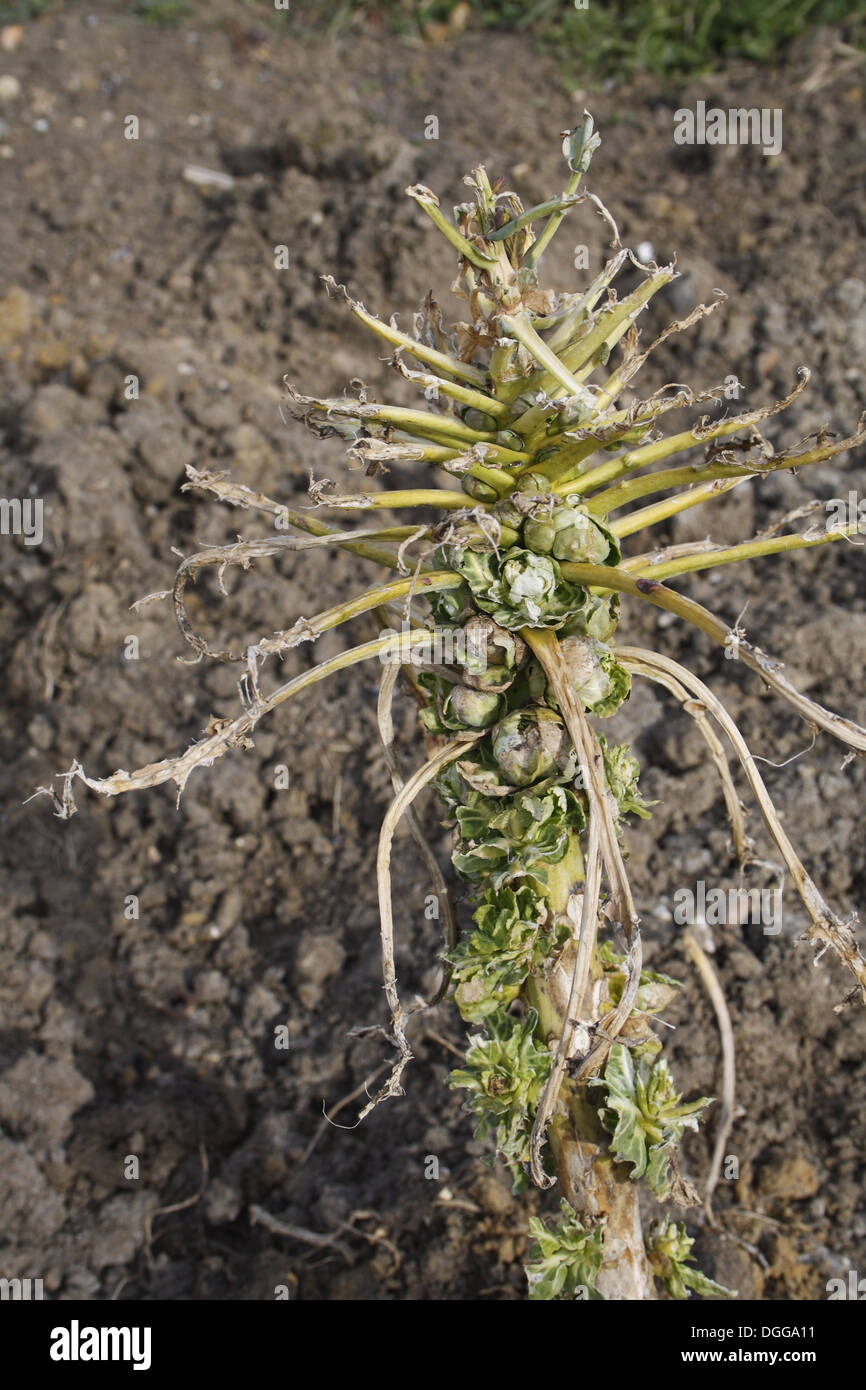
x: 162, y: 11
x: 624, y: 37
x: 613, y: 38
x: 16, y: 11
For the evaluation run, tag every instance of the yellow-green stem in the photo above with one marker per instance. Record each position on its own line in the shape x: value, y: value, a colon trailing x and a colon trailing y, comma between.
x: 747, y: 550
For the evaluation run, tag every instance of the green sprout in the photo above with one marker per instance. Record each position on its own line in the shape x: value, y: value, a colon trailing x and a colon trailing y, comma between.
x: 668, y: 1250
x: 622, y: 770
x: 510, y: 584
x: 595, y: 676
x: 565, y: 1260
x: 505, y: 1073
x: 531, y: 745
x: 645, y: 1115
x: 514, y: 935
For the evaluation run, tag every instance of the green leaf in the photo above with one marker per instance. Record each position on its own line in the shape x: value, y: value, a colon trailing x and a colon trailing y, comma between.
x: 564, y: 1261
x: 580, y: 144
x: 518, y: 589
x: 450, y: 607
x: 505, y: 1074
x: 619, y: 686
x: 516, y: 836
x: 514, y: 935
x: 645, y: 1115
x: 655, y: 991
x: 622, y: 771
x: 629, y: 1139
x: 669, y: 1252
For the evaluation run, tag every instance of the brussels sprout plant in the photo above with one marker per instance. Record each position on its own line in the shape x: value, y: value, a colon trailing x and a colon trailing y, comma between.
x: 510, y: 584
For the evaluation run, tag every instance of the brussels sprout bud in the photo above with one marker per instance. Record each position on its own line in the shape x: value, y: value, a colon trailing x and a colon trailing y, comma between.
x: 569, y: 533
x: 598, y: 618
x: 507, y: 514
x: 529, y: 581
x: 539, y: 533
x: 536, y: 681
x: 474, y: 487
x: 518, y: 588
x: 534, y: 482
x: 529, y: 591
x: 477, y: 709
x: 572, y: 410
x: 492, y: 655
x: 478, y: 419
x: 581, y: 539
x: 531, y: 744
x: 599, y: 683
x: 585, y: 670
x: 509, y: 439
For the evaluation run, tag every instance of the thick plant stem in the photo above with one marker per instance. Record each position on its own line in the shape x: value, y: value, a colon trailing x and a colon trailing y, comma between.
x: 595, y: 1186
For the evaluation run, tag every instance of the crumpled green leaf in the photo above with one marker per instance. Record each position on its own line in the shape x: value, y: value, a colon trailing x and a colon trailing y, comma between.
x: 668, y: 1250
x: 565, y: 1260
x: 619, y: 686
x: 450, y: 608
x: 645, y: 1115
x: 483, y: 777
x: 514, y: 935
x: 505, y: 1074
x: 479, y: 567
x: 518, y: 588
x: 622, y: 770
x: 522, y: 834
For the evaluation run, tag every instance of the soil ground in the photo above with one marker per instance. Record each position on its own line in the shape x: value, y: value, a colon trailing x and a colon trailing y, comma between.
x: 152, y: 1035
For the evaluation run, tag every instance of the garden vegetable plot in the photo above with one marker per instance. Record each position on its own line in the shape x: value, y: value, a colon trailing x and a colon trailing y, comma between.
x: 180, y: 990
